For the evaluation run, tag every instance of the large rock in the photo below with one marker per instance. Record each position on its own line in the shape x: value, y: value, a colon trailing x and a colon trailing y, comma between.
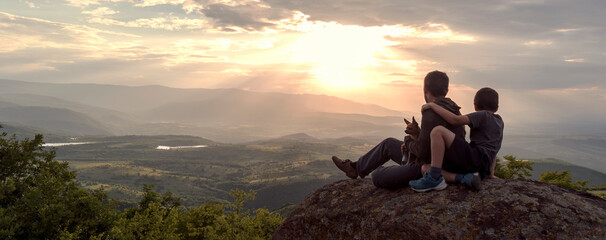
x: 503, y: 209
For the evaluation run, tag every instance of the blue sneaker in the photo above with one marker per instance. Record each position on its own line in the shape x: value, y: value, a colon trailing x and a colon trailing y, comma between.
x: 471, y: 180
x: 427, y: 183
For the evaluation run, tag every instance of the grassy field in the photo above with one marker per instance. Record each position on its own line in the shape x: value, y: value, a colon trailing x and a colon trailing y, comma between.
x: 279, y: 171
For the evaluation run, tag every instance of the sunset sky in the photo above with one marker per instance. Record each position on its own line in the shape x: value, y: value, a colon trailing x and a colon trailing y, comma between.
x: 546, y: 58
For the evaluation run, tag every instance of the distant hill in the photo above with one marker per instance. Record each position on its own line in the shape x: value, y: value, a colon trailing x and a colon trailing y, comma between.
x: 578, y: 173
x: 53, y: 120
x: 586, y: 151
x: 26, y: 132
x: 115, y: 121
x: 228, y: 115
x: 145, y: 98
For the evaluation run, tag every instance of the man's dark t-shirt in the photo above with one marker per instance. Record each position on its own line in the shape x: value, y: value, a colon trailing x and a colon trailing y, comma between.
x: 429, y: 120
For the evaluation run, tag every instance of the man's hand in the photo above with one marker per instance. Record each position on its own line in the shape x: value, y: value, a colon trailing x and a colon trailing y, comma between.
x: 403, y: 147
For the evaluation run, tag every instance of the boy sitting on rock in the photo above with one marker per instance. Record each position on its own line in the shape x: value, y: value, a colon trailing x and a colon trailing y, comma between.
x: 455, y: 154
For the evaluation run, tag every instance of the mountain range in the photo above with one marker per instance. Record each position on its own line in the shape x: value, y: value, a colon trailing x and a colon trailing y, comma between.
x: 228, y: 115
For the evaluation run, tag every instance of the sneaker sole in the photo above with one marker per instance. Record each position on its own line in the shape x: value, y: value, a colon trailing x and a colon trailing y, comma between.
x: 440, y: 187
x: 476, y: 183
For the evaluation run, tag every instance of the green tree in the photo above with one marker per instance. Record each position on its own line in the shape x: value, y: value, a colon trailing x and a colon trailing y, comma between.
x: 563, y: 179
x: 155, y: 217
x: 514, y: 168
x: 40, y: 197
x: 162, y: 217
x: 239, y: 224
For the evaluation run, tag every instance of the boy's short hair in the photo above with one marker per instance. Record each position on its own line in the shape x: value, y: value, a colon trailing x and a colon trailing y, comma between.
x: 486, y: 99
x: 436, y: 83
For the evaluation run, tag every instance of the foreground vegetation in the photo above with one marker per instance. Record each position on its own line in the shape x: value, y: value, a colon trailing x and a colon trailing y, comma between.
x: 40, y: 198
x: 516, y: 168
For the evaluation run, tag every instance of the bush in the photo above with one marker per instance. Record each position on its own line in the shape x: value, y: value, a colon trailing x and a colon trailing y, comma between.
x: 563, y: 179
x: 513, y: 169
x: 161, y: 217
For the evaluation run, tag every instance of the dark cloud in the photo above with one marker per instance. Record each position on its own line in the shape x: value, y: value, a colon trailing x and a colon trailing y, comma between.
x: 501, y: 18
x: 250, y: 17
x: 241, y: 16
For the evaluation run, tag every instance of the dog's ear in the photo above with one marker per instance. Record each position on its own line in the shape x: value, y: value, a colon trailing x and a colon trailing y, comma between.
x: 413, y: 119
x: 407, y: 122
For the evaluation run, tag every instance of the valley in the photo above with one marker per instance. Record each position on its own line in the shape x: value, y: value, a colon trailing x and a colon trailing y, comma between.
x: 282, y: 170
x: 202, y: 143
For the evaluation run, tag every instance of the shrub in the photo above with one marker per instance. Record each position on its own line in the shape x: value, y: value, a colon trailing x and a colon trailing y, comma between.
x: 563, y: 179
x: 514, y: 168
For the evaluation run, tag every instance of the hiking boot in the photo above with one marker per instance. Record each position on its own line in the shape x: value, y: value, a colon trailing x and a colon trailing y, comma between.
x: 427, y: 183
x: 346, y: 167
x: 473, y: 181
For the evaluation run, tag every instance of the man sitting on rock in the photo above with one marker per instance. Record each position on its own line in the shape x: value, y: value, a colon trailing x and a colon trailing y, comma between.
x: 435, y: 88
x: 454, y: 154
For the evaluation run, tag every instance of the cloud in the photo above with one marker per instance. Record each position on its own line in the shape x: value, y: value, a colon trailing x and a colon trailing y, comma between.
x: 227, y: 16
x: 147, y: 3
x: 45, y: 46
x: 590, y: 91
x: 29, y: 4
x: 166, y: 23
x: 86, y: 3
x: 539, y: 43
x: 100, y: 12
x: 576, y: 60
x: 34, y: 33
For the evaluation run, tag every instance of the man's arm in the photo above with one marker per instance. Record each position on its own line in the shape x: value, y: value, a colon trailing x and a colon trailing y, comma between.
x: 447, y: 115
x: 420, y: 146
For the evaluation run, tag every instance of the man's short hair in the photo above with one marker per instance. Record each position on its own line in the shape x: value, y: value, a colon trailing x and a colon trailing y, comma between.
x: 436, y: 83
x: 486, y: 99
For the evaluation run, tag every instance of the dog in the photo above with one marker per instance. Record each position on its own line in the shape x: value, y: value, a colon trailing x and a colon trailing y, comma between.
x: 413, y: 130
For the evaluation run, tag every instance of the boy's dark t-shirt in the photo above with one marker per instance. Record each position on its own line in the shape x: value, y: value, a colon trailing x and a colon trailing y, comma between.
x: 486, y: 132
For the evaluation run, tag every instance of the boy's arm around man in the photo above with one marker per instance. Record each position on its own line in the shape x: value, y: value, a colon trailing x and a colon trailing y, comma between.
x: 429, y: 120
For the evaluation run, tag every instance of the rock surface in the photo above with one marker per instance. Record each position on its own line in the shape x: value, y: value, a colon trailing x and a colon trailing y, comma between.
x: 503, y: 209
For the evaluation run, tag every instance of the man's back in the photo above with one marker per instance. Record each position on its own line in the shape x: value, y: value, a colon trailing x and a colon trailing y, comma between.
x: 429, y: 120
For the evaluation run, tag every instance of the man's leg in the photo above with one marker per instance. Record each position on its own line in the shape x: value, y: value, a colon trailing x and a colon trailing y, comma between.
x: 396, y: 176
x: 441, y: 139
x: 389, y: 148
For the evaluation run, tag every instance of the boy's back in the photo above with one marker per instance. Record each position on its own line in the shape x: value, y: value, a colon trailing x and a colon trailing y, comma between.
x: 486, y: 132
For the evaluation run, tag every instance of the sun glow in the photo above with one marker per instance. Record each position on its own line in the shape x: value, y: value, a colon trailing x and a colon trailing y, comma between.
x: 340, y: 54
x: 351, y: 57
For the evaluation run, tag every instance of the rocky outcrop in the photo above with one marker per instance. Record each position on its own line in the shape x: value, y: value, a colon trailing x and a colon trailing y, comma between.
x: 503, y: 209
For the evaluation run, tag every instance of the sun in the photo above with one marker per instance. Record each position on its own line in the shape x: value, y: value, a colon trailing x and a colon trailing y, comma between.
x: 340, y: 54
